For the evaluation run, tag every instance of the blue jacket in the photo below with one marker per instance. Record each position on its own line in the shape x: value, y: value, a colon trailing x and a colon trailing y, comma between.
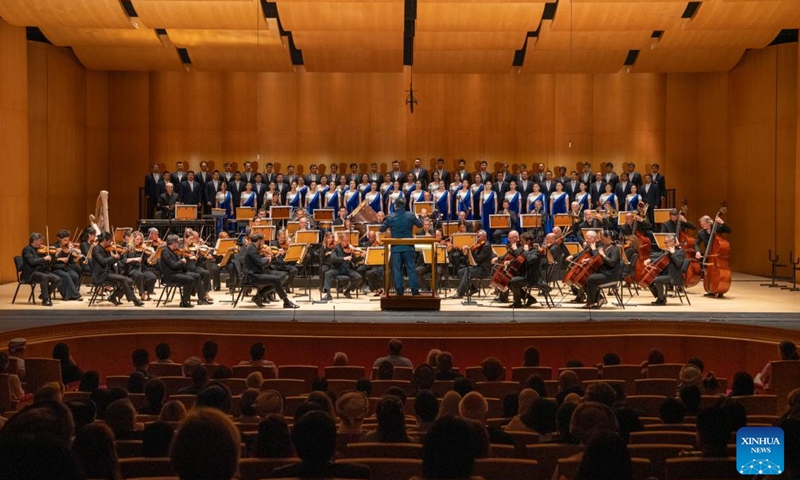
x: 402, y: 224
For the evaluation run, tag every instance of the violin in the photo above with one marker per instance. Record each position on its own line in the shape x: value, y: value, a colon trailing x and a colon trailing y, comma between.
x: 354, y: 251
x: 45, y: 250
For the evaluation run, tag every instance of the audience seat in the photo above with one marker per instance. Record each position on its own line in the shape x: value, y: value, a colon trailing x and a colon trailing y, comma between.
x: 39, y: 371
x: 708, y: 400
x: 138, y: 400
x: 523, y: 439
x: 647, y: 404
x: 383, y: 450
x: 568, y: 468
x: 338, y: 386
x: 699, y: 468
x: 669, y: 437
x: 497, y: 422
x: 657, y: 454
x: 145, y: 467
x: 256, y: 468
x: 441, y: 387
x: 664, y: 370
x: 379, y: 387
x: 399, y: 373
x: 650, y: 421
x: 629, y: 373
x: 345, y: 373
x: 759, y: 404
x: 551, y: 386
x: 773, y: 420
x: 521, y: 374
x: 165, y: 369
x: 505, y: 468
x: 671, y: 427
x: 76, y: 396
x: 583, y: 373
x: 611, y: 382
x: 666, y: 387
x: 286, y: 386
x: 117, y: 381
x: 306, y: 373
x: 547, y: 454
x: 188, y: 401
x: 173, y: 384
x: 290, y: 404
x: 785, y: 378
x: 389, y: 468
x: 475, y: 374
x: 504, y: 451
x: 242, y: 371
x: 495, y: 407
x: 496, y: 389
x: 235, y: 385
x: 129, y: 448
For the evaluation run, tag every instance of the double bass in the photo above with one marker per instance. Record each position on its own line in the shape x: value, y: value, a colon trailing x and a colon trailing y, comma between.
x: 716, y: 260
x: 644, y: 246
x: 691, y: 276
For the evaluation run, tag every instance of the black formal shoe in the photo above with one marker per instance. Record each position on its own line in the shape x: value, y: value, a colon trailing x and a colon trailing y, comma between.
x: 600, y: 303
x: 258, y: 301
x: 187, y: 305
x: 517, y: 305
x: 347, y: 294
x: 138, y: 303
x: 530, y: 300
x: 116, y: 301
x: 457, y: 296
x: 209, y: 301
x: 659, y: 302
x: 217, y: 289
x: 588, y: 306
x: 206, y: 302
x: 47, y: 302
x: 289, y: 304
x: 474, y: 291
x: 326, y: 298
x: 414, y: 292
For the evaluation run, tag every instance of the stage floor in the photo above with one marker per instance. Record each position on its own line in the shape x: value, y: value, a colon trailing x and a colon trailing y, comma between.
x: 747, y: 303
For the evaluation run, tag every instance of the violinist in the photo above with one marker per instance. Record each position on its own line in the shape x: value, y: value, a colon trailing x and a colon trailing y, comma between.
x: 342, y: 256
x: 104, y: 257
x: 482, y: 254
x: 705, y: 232
x: 255, y: 270
x: 65, y: 267
x: 530, y: 273
x: 89, y: 238
x: 673, y: 273
x: 671, y: 225
x: 173, y: 270
x: 194, y: 263
x: 206, y: 259
x: 515, y: 249
x: 35, y: 259
x: 138, y: 268
x: 278, y: 266
x: 153, y: 239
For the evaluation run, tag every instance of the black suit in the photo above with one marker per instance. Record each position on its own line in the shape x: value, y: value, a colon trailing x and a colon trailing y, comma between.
x: 311, y: 177
x: 539, y: 177
x: 465, y: 175
x: 608, y: 272
x: 101, y: 264
x: 500, y: 189
x: 525, y: 188
x: 421, y: 175
x: 268, y: 177
x: 254, y: 265
x: 236, y: 191
x: 481, y: 177
x: 444, y: 175
x: 152, y: 193
x: 248, y: 177
x: 651, y: 195
x: 177, y: 177
x: 289, y: 178
x: 339, y: 266
x: 202, y: 177
x: 191, y: 194
x: 595, y: 193
x: 173, y: 270
x: 34, y: 269
x: 659, y: 180
x: 166, y: 204
x: 398, y: 176
x: 547, y: 190
x: 531, y: 274
x: 671, y: 227
x: 611, y: 178
x: 210, y: 195
x: 260, y: 189
x: 621, y: 191
x: 635, y: 178
x: 227, y: 177
x: 333, y: 178
x: 672, y: 274
x: 482, y: 268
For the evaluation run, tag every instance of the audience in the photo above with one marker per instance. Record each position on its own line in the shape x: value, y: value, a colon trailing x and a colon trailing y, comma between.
x: 742, y: 385
x: 254, y: 380
x: 257, y: 352
x: 433, y: 356
x: 475, y: 407
x: 172, y: 411
x: 463, y: 385
x: 156, y: 439
x: 70, y: 372
x: 190, y: 365
x: 536, y: 383
x: 247, y: 406
x: 53, y: 391
x: 90, y: 381
x: 83, y: 411
x: 16, y: 356
x: 787, y: 351
x: 199, y: 380
x: 691, y: 396
x: 15, y: 389
x: 492, y: 370
x: 141, y: 359
x: 526, y: 399
x: 215, y: 395
x: 444, y: 367
x: 713, y: 433
x: 530, y: 358
x: 568, y: 383
x: 273, y: 440
x: 426, y: 408
x: 590, y: 418
x: 385, y: 370
x: 206, y: 446
x: 449, y: 450
x: 95, y: 450
x: 394, y: 355
x: 121, y: 417
x: 450, y: 404
x: 163, y: 353
x: 269, y: 402
x: 563, y: 419
x: 606, y: 458
x: 364, y: 386
x: 210, y: 351
x: 154, y: 393
x: 340, y: 359
x: 423, y: 378
x: 672, y: 411
x: 391, y: 422
x: 352, y: 408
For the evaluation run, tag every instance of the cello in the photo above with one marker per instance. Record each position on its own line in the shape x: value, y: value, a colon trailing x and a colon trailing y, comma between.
x: 584, y: 265
x: 691, y: 276
x: 716, y: 260
x: 644, y: 246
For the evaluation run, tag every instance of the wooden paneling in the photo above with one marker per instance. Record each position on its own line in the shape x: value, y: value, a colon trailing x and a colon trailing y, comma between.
x: 14, y: 196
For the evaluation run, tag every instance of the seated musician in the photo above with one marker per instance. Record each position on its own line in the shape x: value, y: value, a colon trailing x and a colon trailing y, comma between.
x: 67, y: 267
x: 462, y: 220
x: 609, y: 269
x: 88, y: 240
x: 426, y: 230
x: 173, y: 270
x: 499, y: 233
x: 589, y: 221
x: 102, y: 262
x: 342, y: 256
x: 671, y: 225
x: 482, y: 254
x: 137, y: 266
x: 35, y: 268
x: 167, y: 201
x: 424, y: 269
x: 372, y: 274
x: 255, y: 266
x: 195, y: 261
x: 515, y: 249
x: 672, y: 273
x: 642, y: 224
x: 530, y: 274
x: 280, y: 246
x: 328, y: 242
x: 340, y: 220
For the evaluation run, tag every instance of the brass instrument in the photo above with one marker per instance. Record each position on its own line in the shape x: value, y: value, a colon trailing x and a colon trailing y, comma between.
x: 612, y: 212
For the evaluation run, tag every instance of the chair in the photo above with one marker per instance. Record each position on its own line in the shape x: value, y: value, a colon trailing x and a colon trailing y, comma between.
x: 18, y: 268
x: 640, y: 468
x: 165, y: 369
x: 242, y: 371
x: 286, y: 386
x: 384, y: 450
x: 239, y: 281
x: 495, y: 408
x: 188, y: 401
x: 99, y: 288
x: 236, y: 385
x: 169, y: 287
x: 679, y: 288
x: 75, y: 396
x: 497, y: 389
x: 523, y: 439
x: 290, y: 404
x: 668, y: 437
x: 648, y: 405
x: 129, y: 448
x: 657, y: 454
x: 520, y: 374
x: 379, y: 387
x: 39, y: 371
x: 504, y: 451
x: 671, y: 427
x: 700, y: 468
x: 664, y: 370
x: 6, y: 403
x: 306, y: 373
x: 773, y: 420
x: 614, y: 287
x: 547, y: 454
x: 629, y: 373
x: 390, y: 468
x: 345, y: 373
x: 475, y: 374
x: 505, y: 468
x: 339, y: 386
x: 583, y: 373
x: 621, y: 384
x: 173, y: 384
x: 759, y: 404
x: 117, y: 381
x: 551, y: 386
x: 441, y: 387
x: 785, y: 378
x: 138, y: 401
x: 400, y: 373
x: 256, y: 468
x: 145, y: 467
x: 665, y: 387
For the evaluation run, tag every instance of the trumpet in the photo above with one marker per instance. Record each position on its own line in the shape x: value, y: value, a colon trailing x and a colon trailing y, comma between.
x: 612, y: 213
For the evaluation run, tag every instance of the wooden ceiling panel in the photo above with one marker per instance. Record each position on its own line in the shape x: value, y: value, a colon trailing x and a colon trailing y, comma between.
x: 224, y: 38
x: 717, y: 38
x: 770, y: 14
x: 479, y: 17
x: 201, y: 14
x: 392, y: 40
x: 468, y: 40
x: 463, y: 61
x: 582, y: 61
x: 621, y: 16
x: 420, y: 2
x: 128, y: 58
x: 239, y: 59
x: 359, y: 60
x: 65, y: 13
x: 327, y: 16
x: 687, y: 60
x: 559, y: 40
x: 113, y: 37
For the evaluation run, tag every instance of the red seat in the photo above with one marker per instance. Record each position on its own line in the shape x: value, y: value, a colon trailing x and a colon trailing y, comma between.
x: 345, y: 373
x: 521, y: 374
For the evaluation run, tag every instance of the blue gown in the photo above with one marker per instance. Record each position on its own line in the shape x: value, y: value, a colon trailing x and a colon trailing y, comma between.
x: 560, y: 205
x: 334, y: 202
x: 514, y: 203
x: 488, y: 208
x: 377, y: 202
x: 312, y: 202
x: 443, y: 205
x: 227, y: 204
x: 352, y: 202
x: 545, y: 204
x: 465, y: 204
x: 584, y: 201
x: 632, y: 205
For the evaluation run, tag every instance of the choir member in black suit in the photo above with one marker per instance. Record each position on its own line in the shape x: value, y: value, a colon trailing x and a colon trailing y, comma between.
x: 633, y: 176
x: 260, y: 188
x: 623, y: 188
x: 102, y: 262
x: 162, y: 184
x: 313, y: 175
x: 482, y: 176
x: 190, y: 191
x: 179, y: 175
x: 586, y: 175
x: 443, y: 173
x: 203, y: 176
x: 541, y: 174
x: 270, y: 175
x: 462, y: 170
x: 236, y: 187
x: 396, y: 175
x: 524, y: 187
x: 151, y: 189
x: 597, y: 188
x: 290, y: 176
x: 610, y: 176
x: 210, y: 191
x: 548, y: 186
x: 333, y: 176
x: 420, y: 173
x: 658, y: 179
x: 228, y: 173
x: 573, y: 185
x: 651, y: 195
x: 35, y: 268
x: 248, y: 176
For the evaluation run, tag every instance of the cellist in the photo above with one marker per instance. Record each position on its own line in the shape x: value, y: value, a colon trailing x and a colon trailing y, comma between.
x: 609, y: 269
x: 530, y: 274
x: 672, y: 273
x: 515, y: 249
x: 705, y: 232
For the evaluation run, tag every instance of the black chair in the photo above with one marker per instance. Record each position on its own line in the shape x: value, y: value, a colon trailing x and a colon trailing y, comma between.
x: 18, y: 267
x: 679, y: 288
x: 240, y: 281
x: 615, y: 288
x: 169, y: 288
x: 99, y: 289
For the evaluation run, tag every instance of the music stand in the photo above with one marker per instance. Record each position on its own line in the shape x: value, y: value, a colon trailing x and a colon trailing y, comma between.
x: 292, y: 227
x: 296, y: 253
x: 499, y: 250
x: 217, y: 213
x: 224, y: 244
x: 562, y: 220
x: 661, y: 239
x: 355, y: 236
x: 661, y: 215
x: 500, y: 220
x: 461, y: 240
x: 280, y: 212
x: 307, y: 236
x: 374, y: 256
x: 323, y: 215
x: 245, y: 214
x: 119, y: 233
x: 531, y: 220
x: 267, y: 230
x: 573, y: 247
x: 374, y: 227
x: 621, y: 218
x: 418, y: 206
x: 598, y: 231
x: 185, y: 212
x: 449, y: 228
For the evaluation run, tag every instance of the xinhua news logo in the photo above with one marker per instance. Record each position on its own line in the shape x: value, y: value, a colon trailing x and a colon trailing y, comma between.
x: 759, y: 451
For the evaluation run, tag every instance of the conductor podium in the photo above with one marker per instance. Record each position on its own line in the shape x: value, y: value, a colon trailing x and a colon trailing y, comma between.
x: 423, y: 301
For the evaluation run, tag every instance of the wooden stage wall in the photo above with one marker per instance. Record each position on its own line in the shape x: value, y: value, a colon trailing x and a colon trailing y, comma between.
x: 717, y: 136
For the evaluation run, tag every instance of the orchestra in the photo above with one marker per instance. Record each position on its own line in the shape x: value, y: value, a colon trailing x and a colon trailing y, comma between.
x: 593, y: 208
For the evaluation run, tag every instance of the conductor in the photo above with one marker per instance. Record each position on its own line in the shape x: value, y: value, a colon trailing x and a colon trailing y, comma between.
x: 401, y: 223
